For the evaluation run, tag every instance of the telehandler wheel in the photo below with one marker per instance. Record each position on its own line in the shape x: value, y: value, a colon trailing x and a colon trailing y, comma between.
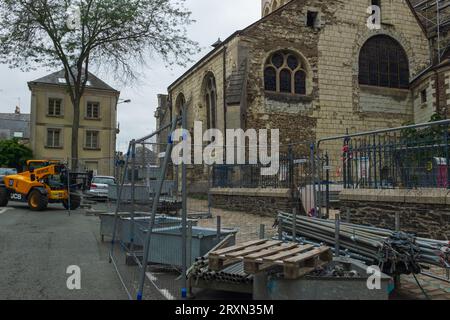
x: 37, y: 201
x: 75, y: 202
x: 4, y: 197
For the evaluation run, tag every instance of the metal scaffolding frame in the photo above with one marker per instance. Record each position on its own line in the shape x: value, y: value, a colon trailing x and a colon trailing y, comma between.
x: 435, y: 15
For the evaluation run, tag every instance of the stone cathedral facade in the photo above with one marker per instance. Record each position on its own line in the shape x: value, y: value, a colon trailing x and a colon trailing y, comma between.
x: 314, y: 69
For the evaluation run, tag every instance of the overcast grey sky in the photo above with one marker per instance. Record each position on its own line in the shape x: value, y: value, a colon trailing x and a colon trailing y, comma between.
x: 215, y: 18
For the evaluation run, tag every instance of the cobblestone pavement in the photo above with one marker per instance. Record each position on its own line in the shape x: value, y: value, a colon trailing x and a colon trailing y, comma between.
x: 434, y: 288
x: 247, y: 224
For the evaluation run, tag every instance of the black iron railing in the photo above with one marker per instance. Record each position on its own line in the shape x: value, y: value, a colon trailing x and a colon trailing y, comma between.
x: 250, y: 176
x: 407, y: 158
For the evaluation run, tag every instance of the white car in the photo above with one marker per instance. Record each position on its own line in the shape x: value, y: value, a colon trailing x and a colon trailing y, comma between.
x: 6, y: 172
x: 100, y: 186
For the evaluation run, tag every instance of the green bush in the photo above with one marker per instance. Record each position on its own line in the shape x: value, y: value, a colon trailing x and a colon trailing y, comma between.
x: 13, y: 154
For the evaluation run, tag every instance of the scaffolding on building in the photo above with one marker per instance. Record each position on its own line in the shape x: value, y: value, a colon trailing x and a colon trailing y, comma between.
x: 435, y: 16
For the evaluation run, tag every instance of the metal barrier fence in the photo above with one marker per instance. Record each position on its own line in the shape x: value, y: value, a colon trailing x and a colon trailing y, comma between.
x: 414, y: 156
x: 249, y: 175
x: 165, y: 216
x: 145, y: 236
x: 161, y: 226
x: 404, y: 158
x: 298, y: 166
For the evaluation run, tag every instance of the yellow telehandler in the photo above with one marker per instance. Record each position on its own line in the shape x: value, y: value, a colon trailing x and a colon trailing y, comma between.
x: 43, y: 182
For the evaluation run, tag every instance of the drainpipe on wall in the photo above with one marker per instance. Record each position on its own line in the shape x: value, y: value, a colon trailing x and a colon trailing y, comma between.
x: 438, y: 93
x: 170, y: 106
x: 224, y: 91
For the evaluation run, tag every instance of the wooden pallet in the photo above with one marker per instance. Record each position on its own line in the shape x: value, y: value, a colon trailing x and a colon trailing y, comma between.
x: 260, y: 255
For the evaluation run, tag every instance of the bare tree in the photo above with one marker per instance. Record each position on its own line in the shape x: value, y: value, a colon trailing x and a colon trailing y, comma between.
x: 116, y: 35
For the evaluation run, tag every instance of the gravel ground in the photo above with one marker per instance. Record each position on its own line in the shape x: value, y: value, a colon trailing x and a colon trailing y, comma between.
x: 247, y: 224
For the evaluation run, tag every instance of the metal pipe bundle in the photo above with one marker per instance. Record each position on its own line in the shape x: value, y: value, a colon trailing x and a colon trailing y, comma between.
x: 395, y: 252
x: 232, y: 274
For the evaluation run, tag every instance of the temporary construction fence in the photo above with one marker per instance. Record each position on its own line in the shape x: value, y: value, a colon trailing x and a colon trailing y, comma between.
x: 412, y: 156
x: 152, y: 189
x: 415, y: 156
x: 301, y: 171
x: 134, y: 248
x: 160, y: 226
x: 407, y: 157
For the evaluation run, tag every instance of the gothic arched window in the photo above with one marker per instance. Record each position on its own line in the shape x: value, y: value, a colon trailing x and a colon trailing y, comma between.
x: 285, y: 72
x: 383, y: 63
x: 210, y: 95
x: 275, y: 5
x: 180, y: 104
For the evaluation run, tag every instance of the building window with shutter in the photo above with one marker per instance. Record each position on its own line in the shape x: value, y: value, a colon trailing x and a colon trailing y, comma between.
x: 92, y: 140
x: 93, y: 111
x: 54, y: 107
x: 54, y: 138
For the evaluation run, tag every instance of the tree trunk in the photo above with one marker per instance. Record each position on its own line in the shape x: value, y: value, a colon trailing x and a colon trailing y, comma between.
x: 75, y: 129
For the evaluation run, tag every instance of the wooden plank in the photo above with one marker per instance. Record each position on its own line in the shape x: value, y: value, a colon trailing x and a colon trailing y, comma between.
x: 308, y: 255
x: 254, y: 263
x: 215, y: 263
x: 270, y: 251
x: 238, y: 247
x: 251, y: 250
x: 254, y: 267
x: 287, y: 254
x: 218, y: 264
x: 222, y: 245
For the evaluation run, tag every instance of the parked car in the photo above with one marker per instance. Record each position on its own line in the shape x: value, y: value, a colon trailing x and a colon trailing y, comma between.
x: 6, y: 172
x: 100, y: 186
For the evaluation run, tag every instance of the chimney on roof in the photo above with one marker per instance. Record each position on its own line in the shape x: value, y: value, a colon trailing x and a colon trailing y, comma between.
x: 217, y: 43
x: 17, y: 111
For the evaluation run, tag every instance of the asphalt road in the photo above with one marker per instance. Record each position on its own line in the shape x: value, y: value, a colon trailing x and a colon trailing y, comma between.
x: 36, y: 248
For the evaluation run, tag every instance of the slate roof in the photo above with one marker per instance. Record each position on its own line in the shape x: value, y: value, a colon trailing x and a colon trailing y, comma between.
x: 236, y: 84
x: 54, y: 79
x: 12, y: 122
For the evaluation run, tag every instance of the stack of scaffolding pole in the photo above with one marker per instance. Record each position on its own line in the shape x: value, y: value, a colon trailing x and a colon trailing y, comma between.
x: 232, y: 274
x: 394, y: 252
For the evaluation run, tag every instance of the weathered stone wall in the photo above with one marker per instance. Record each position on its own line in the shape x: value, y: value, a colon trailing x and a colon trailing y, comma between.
x: 344, y: 104
x: 334, y: 101
x: 436, y: 82
x: 422, y: 212
x: 269, y: 6
x: 424, y: 110
x: 263, y: 202
x: 292, y: 114
x: 373, y: 99
x: 191, y: 85
x: 444, y: 90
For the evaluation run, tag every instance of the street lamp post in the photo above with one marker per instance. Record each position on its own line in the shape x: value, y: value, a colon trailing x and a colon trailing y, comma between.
x: 122, y: 101
x: 116, y: 158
